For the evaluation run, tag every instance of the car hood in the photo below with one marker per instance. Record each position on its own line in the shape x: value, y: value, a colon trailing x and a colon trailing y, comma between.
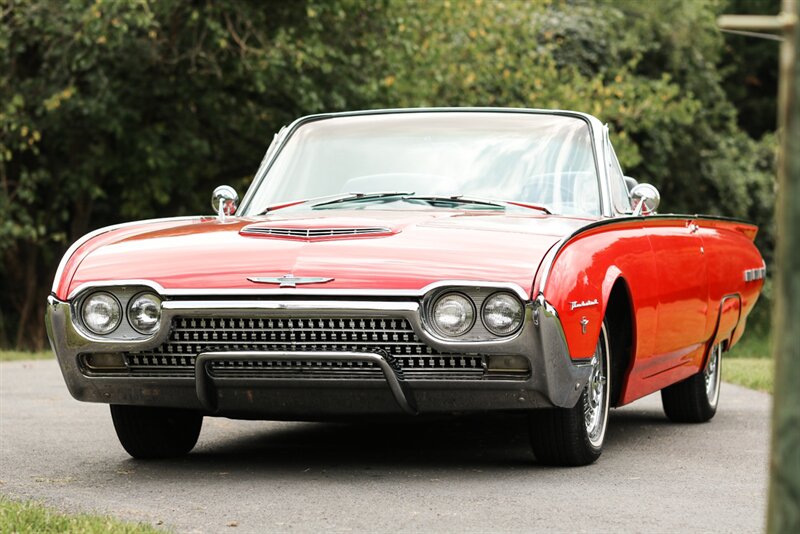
x: 358, y: 249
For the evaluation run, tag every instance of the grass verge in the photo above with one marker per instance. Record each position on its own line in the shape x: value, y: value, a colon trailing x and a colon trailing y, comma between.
x: 15, y: 355
x: 750, y: 363
x: 753, y: 373
x: 27, y: 517
x: 752, y: 346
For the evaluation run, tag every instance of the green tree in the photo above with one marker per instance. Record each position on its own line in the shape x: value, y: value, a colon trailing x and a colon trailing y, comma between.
x: 124, y: 109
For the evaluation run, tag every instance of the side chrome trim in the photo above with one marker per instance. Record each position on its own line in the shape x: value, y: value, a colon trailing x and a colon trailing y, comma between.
x: 82, y: 240
x: 205, y: 383
x: 275, y: 292
x: 751, y: 275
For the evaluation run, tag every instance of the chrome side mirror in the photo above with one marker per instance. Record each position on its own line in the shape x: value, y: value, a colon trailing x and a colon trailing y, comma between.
x: 224, y: 201
x: 630, y: 183
x: 645, y: 199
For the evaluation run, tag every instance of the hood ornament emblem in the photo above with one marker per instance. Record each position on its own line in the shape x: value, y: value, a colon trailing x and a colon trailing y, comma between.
x: 289, y: 280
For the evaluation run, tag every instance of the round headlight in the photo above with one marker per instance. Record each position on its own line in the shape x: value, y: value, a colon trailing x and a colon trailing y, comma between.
x: 101, y: 313
x: 144, y: 313
x: 502, y: 314
x: 453, y: 314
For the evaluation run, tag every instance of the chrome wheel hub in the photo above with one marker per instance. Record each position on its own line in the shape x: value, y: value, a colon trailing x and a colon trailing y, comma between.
x: 712, y: 374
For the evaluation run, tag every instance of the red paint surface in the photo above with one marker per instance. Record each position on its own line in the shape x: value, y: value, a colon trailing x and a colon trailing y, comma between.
x: 677, y: 272
x: 425, y: 246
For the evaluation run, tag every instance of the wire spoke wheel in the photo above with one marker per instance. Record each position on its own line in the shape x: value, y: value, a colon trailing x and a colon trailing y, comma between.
x: 695, y: 399
x: 575, y: 436
x: 712, y: 374
x: 597, y: 394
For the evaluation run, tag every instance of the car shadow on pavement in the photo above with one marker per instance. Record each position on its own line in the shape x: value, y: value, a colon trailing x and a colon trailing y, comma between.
x: 470, y: 442
x: 462, y: 440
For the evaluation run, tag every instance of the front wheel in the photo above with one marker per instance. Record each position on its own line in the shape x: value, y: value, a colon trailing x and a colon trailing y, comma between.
x: 574, y: 436
x: 149, y: 433
x: 695, y: 399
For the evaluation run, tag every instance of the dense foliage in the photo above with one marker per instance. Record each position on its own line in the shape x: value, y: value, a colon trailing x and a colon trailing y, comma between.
x: 124, y: 109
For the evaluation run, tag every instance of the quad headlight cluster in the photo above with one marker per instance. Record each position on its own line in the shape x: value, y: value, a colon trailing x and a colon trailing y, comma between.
x: 102, y: 313
x: 454, y: 314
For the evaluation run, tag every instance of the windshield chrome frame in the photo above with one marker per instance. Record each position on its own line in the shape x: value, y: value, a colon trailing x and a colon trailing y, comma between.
x: 595, y: 133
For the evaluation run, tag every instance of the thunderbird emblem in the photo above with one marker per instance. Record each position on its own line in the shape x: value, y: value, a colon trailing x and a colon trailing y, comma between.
x: 289, y: 280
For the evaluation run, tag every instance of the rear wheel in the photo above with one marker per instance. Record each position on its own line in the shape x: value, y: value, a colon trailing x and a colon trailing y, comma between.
x: 695, y: 399
x: 148, y: 433
x: 575, y: 436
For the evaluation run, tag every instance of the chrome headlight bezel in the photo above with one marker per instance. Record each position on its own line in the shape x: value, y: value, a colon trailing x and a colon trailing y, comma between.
x: 131, y: 313
x: 468, y: 307
x: 113, y: 301
x: 124, y: 294
x: 516, y: 321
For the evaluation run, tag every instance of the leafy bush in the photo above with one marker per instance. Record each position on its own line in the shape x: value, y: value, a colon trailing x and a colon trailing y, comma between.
x: 122, y: 109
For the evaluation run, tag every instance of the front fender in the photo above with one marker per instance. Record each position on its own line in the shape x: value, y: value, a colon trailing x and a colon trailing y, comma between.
x: 582, y: 274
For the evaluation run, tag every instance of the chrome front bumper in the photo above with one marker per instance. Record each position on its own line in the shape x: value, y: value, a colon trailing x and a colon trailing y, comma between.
x: 554, y: 380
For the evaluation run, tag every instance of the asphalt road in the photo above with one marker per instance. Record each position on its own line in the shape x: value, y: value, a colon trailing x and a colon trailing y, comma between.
x: 471, y: 474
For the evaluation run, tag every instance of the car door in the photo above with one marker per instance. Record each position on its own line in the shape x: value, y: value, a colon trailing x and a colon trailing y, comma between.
x: 682, y: 291
x: 682, y: 278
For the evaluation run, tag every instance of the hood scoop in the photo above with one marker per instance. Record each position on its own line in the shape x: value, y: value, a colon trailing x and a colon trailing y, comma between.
x: 309, y: 233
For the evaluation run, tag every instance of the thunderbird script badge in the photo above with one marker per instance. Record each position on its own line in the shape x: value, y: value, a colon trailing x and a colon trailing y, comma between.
x: 289, y: 280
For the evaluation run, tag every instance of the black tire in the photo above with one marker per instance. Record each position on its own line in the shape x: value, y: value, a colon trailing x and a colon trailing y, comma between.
x: 695, y: 399
x: 149, y: 433
x: 562, y: 436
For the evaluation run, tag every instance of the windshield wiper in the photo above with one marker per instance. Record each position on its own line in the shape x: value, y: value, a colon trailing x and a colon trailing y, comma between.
x: 456, y: 199
x: 461, y: 199
x: 333, y: 199
x: 358, y: 197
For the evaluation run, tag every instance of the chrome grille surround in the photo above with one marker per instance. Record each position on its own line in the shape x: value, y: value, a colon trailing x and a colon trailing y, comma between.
x: 554, y: 378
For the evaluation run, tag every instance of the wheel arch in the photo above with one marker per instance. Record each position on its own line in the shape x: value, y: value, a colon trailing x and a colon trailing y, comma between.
x: 620, y: 318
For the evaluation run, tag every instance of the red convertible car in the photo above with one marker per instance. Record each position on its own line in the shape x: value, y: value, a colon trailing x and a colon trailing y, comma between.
x: 419, y: 261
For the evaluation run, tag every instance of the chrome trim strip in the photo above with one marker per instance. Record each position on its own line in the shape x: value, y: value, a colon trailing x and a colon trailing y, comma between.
x: 198, y: 307
x: 270, y: 292
x: 82, y: 240
x: 715, y: 336
x: 205, y: 383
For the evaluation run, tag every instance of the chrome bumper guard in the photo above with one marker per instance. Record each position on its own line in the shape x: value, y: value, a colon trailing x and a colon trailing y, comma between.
x: 555, y: 379
x: 205, y: 382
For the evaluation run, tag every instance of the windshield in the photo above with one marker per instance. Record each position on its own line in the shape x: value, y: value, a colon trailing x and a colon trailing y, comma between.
x: 541, y: 159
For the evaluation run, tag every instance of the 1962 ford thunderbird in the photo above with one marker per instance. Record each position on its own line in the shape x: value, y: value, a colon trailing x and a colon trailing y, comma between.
x: 420, y: 261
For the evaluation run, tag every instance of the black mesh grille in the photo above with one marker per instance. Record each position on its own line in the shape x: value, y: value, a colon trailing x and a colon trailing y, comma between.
x: 392, y: 337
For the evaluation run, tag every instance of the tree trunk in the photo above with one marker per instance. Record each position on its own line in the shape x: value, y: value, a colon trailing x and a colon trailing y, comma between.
x: 784, y: 494
x: 30, y: 292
